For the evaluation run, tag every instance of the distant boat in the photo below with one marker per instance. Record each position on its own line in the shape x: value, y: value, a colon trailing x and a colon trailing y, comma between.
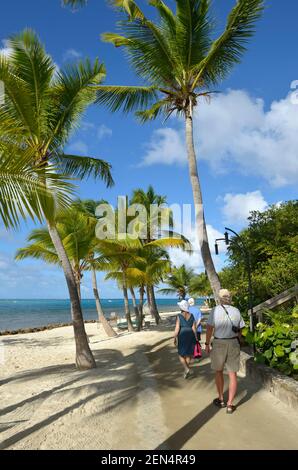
x: 110, y: 301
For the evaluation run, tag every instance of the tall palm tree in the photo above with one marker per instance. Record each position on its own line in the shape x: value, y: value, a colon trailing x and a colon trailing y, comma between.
x: 154, y: 229
x: 88, y: 207
x: 42, y: 107
x: 77, y: 235
x: 178, y: 280
x: 179, y: 62
x: 116, y: 258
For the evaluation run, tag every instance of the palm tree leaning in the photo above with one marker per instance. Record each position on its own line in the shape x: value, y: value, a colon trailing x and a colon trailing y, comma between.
x: 42, y: 107
x: 179, y: 62
x: 77, y: 233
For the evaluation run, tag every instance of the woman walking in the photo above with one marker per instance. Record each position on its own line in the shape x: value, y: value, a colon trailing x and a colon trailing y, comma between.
x: 186, y: 335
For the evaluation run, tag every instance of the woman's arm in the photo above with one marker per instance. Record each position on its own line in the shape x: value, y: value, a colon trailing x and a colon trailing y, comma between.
x: 194, y: 329
x: 177, y: 328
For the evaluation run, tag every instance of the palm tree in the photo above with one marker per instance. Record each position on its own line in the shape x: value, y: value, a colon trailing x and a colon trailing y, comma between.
x: 21, y: 190
x: 42, y: 107
x: 179, y: 62
x: 200, y: 285
x: 117, y: 256
x: 154, y: 228
x: 77, y: 235
x: 88, y: 208
x: 179, y: 281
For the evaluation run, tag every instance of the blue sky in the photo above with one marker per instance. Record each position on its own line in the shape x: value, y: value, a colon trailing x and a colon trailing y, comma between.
x: 247, y: 138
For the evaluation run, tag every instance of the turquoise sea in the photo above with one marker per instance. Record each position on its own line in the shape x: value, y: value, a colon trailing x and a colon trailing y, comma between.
x: 16, y: 314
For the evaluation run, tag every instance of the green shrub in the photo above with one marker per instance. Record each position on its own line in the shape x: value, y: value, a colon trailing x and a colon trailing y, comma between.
x: 276, y: 346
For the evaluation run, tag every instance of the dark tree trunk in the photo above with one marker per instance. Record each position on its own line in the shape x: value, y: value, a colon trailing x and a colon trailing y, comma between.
x: 84, y: 357
x: 199, y: 209
x: 135, y: 307
x: 152, y: 304
x: 126, y: 304
x: 101, y: 318
x: 141, y: 304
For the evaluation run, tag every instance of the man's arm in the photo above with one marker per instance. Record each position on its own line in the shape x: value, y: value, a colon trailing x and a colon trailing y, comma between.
x: 209, y: 333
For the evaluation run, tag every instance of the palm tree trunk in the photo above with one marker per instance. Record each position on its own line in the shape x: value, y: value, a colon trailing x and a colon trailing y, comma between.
x: 101, y: 318
x: 135, y: 307
x: 199, y: 209
x: 141, y: 304
x: 126, y: 304
x: 84, y: 357
x: 152, y: 304
x: 77, y: 276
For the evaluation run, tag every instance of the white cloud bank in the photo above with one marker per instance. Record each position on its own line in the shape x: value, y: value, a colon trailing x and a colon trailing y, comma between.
x: 237, y: 207
x: 235, y: 131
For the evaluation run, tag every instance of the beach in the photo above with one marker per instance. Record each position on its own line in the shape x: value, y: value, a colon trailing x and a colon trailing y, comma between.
x: 136, y: 398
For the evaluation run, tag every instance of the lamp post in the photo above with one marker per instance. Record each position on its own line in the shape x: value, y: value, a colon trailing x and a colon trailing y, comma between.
x: 247, y: 258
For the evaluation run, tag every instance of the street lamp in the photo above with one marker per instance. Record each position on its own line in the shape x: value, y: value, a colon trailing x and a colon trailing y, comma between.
x: 247, y: 259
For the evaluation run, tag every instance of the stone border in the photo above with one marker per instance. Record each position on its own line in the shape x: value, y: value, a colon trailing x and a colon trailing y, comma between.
x: 281, y: 386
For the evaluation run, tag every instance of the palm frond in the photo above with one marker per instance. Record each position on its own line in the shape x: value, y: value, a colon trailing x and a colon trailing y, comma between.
x: 228, y: 49
x: 129, y: 7
x: 23, y: 192
x: 84, y: 167
x: 128, y: 98
x: 74, y: 89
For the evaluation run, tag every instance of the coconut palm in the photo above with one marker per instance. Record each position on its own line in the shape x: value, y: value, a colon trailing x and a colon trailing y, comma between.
x: 156, y: 220
x: 117, y: 255
x: 178, y: 280
x: 77, y: 233
x: 21, y: 190
x: 179, y: 62
x: 42, y: 107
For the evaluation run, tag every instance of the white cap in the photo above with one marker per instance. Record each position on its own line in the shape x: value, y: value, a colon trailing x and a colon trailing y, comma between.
x: 183, y: 305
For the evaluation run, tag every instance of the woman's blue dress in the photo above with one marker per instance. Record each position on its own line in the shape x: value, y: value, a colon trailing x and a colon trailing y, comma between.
x: 186, y: 336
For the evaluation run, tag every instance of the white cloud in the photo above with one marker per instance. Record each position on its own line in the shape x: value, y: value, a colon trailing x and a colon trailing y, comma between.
x: 78, y: 147
x: 166, y: 146
x: 237, y: 207
x: 5, y: 51
x: 71, y: 54
x: 235, y: 131
x: 104, y: 131
x: 194, y: 260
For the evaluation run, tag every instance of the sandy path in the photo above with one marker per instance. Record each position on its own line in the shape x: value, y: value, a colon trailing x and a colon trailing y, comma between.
x: 135, y: 399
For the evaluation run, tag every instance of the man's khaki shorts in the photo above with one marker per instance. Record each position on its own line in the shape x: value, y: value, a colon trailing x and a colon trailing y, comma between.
x: 225, y: 352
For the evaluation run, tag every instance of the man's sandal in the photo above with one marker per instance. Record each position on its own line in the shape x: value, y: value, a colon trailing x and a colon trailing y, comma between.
x: 230, y: 409
x: 219, y: 403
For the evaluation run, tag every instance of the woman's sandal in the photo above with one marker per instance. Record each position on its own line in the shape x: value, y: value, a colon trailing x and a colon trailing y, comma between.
x: 219, y: 403
x: 230, y: 409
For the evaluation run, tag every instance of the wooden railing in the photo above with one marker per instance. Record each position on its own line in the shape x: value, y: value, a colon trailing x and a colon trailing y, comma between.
x: 275, y: 301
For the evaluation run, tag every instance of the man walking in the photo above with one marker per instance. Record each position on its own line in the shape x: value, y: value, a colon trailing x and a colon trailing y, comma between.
x: 197, y: 316
x: 225, y: 322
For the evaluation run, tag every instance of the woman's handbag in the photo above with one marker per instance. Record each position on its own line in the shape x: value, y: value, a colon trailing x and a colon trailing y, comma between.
x: 197, y: 351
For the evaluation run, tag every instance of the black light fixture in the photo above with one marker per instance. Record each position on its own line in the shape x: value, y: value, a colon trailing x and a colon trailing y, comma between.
x: 227, y: 240
x: 216, y: 248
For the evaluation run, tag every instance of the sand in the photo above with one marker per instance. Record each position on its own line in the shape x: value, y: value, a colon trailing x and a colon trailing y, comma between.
x: 135, y: 399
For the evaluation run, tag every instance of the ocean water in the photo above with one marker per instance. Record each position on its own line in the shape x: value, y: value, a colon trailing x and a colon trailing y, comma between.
x: 16, y: 314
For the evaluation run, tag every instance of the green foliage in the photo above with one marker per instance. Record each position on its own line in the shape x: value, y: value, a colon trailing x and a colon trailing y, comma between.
x: 42, y: 107
x: 177, y: 55
x: 276, y: 345
x: 272, y: 241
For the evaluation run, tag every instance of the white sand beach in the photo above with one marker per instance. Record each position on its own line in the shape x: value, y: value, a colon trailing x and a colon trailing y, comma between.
x: 135, y: 399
